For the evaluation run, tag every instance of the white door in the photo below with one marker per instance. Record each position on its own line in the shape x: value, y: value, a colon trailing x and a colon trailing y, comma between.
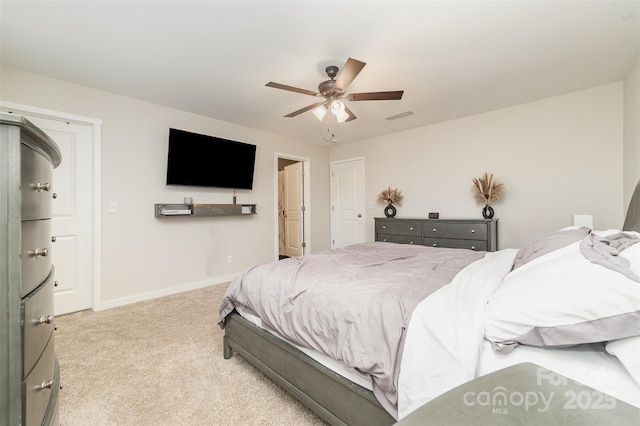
x: 347, y: 202
x: 294, y: 209
x: 72, y: 251
x: 281, y: 214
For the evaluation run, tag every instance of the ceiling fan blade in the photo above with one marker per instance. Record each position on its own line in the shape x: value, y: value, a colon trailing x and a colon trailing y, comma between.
x: 351, y: 117
x: 348, y: 73
x: 376, y: 96
x: 292, y: 89
x: 305, y: 109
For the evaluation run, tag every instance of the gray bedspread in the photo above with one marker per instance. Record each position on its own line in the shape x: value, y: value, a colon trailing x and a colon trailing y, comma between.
x: 353, y: 304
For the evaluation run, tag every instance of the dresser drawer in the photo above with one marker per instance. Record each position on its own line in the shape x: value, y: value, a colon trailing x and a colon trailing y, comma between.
x: 455, y: 243
x: 37, y: 323
x: 36, y: 175
x: 35, y: 254
x: 400, y: 239
x: 470, y: 231
x: 399, y: 228
x: 39, y: 386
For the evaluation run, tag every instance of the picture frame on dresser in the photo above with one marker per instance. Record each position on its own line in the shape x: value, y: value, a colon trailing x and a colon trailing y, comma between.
x: 29, y: 371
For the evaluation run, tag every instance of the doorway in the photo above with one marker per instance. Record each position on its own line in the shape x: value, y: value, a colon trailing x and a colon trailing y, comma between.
x: 292, y: 216
x: 75, y: 218
x: 347, y: 202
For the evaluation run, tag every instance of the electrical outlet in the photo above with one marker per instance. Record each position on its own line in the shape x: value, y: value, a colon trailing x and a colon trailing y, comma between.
x: 229, y: 259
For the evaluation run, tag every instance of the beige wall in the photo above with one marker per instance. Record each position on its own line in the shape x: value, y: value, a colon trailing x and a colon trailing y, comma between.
x: 557, y: 157
x: 145, y: 256
x: 631, y: 165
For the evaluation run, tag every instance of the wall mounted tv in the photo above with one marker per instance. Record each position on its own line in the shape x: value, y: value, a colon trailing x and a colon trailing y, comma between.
x: 201, y: 160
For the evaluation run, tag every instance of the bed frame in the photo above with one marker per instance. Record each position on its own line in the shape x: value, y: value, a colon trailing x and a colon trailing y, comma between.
x: 331, y: 396
x: 328, y: 394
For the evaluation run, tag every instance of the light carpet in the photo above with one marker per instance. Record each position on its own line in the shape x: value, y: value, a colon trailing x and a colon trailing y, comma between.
x: 160, y: 362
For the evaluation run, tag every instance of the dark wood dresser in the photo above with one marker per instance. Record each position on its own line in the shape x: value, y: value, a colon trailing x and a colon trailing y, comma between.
x: 472, y: 234
x: 29, y: 372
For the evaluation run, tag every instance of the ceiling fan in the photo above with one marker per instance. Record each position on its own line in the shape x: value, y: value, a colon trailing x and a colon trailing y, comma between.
x: 333, y: 90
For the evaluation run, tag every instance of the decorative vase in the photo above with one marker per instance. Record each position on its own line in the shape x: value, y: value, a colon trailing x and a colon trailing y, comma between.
x: 390, y: 211
x: 487, y: 212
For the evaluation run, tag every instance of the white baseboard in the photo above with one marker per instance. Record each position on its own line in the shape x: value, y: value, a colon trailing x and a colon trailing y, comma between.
x: 161, y: 293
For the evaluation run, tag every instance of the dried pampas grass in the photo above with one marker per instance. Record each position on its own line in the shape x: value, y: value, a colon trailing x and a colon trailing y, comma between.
x: 486, y: 189
x: 391, y: 196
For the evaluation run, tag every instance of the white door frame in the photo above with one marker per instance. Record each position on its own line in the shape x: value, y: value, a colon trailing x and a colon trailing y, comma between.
x: 96, y: 124
x: 306, y: 196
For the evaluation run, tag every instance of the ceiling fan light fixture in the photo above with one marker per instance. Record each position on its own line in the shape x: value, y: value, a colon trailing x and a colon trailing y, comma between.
x: 334, y: 89
x: 342, y: 116
x: 337, y: 107
x: 319, y: 112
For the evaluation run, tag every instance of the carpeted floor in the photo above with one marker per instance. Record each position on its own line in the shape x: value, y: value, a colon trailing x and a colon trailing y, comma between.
x: 160, y: 362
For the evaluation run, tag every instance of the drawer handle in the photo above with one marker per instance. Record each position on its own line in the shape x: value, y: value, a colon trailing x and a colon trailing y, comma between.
x: 55, y: 283
x: 43, y: 186
x: 473, y: 247
x: 41, y: 252
x: 411, y: 229
x: 53, y: 239
x: 384, y: 226
x: 384, y: 240
x: 55, y: 195
x: 435, y: 245
x: 46, y: 320
x: 473, y: 231
x: 46, y: 385
x: 410, y: 242
x: 435, y: 230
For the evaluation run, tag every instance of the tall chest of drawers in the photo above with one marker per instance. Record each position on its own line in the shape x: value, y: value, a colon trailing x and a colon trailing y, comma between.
x: 29, y: 372
x: 473, y: 234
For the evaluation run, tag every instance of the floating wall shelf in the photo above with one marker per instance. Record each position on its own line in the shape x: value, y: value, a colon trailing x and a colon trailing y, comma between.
x: 172, y: 210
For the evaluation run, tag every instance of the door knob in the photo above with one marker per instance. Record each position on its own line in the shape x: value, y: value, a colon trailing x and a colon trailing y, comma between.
x: 359, y: 215
x: 43, y: 186
x: 44, y: 252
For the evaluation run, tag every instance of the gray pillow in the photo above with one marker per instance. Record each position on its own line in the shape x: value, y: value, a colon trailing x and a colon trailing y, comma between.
x: 548, y: 243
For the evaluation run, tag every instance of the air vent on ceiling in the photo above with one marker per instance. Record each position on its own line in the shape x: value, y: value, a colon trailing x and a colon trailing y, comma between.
x: 401, y: 115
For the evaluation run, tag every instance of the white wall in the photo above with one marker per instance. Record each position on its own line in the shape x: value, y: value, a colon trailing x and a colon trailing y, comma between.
x: 143, y: 256
x: 557, y: 157
x: 631, y: 131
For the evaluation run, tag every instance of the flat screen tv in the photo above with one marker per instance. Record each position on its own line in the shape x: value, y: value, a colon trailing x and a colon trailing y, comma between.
x: 201, y: 160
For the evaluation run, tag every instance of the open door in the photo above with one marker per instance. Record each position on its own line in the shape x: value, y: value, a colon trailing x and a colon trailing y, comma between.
x: 293, y: 209
x: 292, y: 199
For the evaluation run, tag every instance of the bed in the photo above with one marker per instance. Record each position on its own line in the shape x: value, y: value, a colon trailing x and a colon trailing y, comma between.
x: 370, y: 333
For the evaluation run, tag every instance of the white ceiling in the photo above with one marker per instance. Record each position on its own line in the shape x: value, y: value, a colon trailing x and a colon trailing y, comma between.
x: 213, y: 58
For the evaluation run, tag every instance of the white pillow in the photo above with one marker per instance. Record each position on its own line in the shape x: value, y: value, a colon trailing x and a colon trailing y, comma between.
x: 562, y: 299
x: 628, y: 352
